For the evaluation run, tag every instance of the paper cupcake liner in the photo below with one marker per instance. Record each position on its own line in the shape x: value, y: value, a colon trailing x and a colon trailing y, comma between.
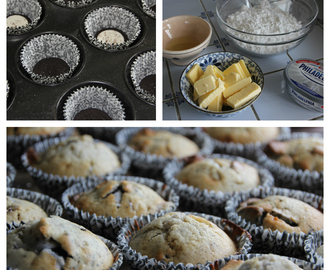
x: 244, y: 257
x: 310, y: 181
x: 144, y: 65
x: 107, y: 134
x: 152, y: 165
x: 27, y: 8
x: 48, y: 204
x: 96, y: 98
x: 265, y: 240
x: 16, y: 145
x: 112, y: 17
x: 313, y: 241
x: 110, y: 226
x: 11, y: 174
x: 147, y: 7
x: 211, y: 202
x: 46, y: 46
x: 137, y: 261
x: 7, y: 88
x: 73, y: 4
x: 55, y: 185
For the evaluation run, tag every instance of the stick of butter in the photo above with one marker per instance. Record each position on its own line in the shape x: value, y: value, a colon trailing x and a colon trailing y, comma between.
x: 235, y: 68
x: 205, y: 100
x: 243, y: 96
x: 244, y: 68
x: 231, y: 79
x: 216, y: 104
x: 218, y: 73
x: 205, y: 85
x: 236, y: 87
x: 194, y: 74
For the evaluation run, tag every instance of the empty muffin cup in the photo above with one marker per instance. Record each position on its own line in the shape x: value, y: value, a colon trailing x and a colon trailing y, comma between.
x: 93, y: 103
x: 22, y: 15
x: 73, y: 3
x: 112, y: 28
x: 149, y: 7
x: 143, y: 75
x: 50, y: 58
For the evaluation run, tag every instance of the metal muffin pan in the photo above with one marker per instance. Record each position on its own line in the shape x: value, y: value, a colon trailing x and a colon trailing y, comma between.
x: 28, y: 100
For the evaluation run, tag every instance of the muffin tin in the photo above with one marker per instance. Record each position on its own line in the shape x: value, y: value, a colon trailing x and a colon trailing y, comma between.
x: 106, y: 68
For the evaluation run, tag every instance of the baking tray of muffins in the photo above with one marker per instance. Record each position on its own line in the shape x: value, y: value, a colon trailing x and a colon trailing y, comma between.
x: 81, y: 59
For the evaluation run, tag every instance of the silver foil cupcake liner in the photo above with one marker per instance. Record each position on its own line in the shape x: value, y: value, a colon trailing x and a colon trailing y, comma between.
x: 313, y: 241
x: 17, y: 144
x: 310, y: 181
x: 48, y: 204
x: 137, y: 261
x: 143, y: 66
x: 149, y: 7
x: 93, y: 97
x: 7, y: 88
x: 73, y: 3
x: 210, y: 202
x: 110, y: 226
x: 265, y: 240
x: 152, y: 165
x: 115, y: 18
x: 11, y: 174
x: 49, y: 46
x: 55, y: 185
x: 30, y: 9
x: 244, y: 257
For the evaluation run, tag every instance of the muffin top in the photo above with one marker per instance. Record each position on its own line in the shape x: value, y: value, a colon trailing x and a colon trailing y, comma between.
x: 182, y: 238
x: 77, y: 156
x: 22, y: 210
x: 56, y: 243
x: 33, y: 130
x: 300, y: 153
x: 243, y: 135
x: 121, y: 199
x: 219, y: 174
x: 281, y: 213
x: 163, y: 143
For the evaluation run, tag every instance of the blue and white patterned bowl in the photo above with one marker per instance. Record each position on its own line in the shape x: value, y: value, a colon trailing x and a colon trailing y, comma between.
x: 222, y: 60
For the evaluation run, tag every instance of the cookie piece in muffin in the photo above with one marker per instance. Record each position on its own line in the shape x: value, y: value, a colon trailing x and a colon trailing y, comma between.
x: 121, y: 199
x: 163, y: 143
x: 300, y: 153
x: 56, y: 243
x: 19, y: 210
x: 219, y: 174
x: 281, y: 213
x: 34, y: 130
x: 182, y: 238
x: 77, y: 156
x: 243, y: 135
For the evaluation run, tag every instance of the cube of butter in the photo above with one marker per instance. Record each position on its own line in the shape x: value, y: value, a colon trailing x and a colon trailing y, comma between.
x: 205, y: 100
x: 194, y: 74
x: 216, y: 104
x: 205, y: 85
x: 235, y: 68
x: 231, y: 79
x: 244, y: 68
x: 236, y: 87
x: 246, y: 94
x: 196, y: 96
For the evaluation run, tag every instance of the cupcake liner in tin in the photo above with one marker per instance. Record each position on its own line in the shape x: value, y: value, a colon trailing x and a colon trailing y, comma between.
x: 73, y: 3
x: 265, y: 240
x: 7, y: 89
x: 48, y: 204
x: 55, y: 185
x: 29, y: 9
x: 93, y: 97
x: 244, y: 257
x: 147, y: 164
x: 17, y: 144
x: 11, y: 174
x: 149, y: 7
x: 313, y: 241
x: 310, y: 181
x: 137, y: 261
x: 49, y: 46
x: 115, y: 18
x: 211, y: 202
x: 143, y: 68
x: 110, y: 226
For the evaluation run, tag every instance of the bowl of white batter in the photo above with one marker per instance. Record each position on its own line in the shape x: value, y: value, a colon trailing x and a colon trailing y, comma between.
x: 264, y: 28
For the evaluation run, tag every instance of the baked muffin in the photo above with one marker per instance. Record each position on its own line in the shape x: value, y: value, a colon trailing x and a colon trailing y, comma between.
x: 298, y: 153
x: 120, y: 199
x: 243, y: 135
x: 33, y: 130
x: 281, y: 213
x: 182, y: 238
x: 219, y: 174
x: 56, y: 243
x: 163, y: 143
x: 19, y: 210
x: 76, y: 156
